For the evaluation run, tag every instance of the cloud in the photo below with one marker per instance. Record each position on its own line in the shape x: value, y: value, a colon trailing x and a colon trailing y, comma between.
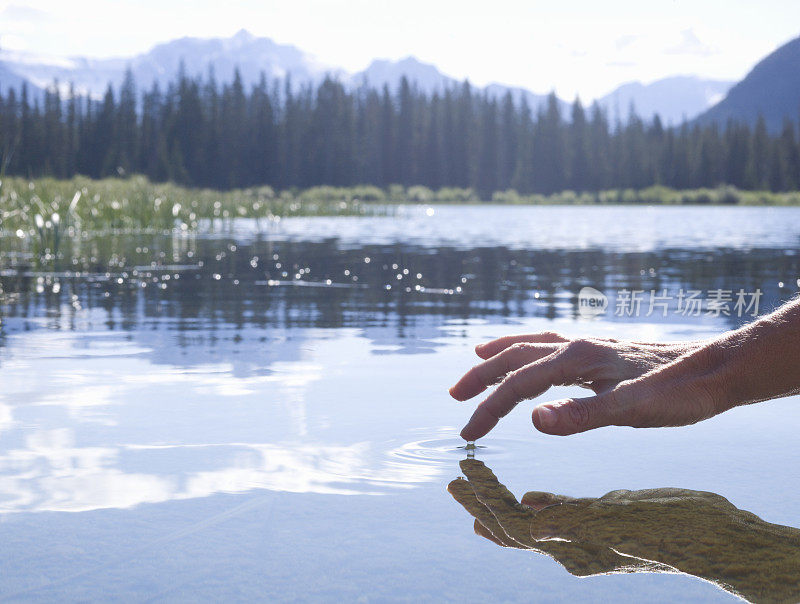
x: 690, y: 44
x: 625, y: 41
x: 24, y: 14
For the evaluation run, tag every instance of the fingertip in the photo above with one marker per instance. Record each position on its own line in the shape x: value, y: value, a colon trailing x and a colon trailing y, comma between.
x: 458, y: 393
x: 545, y: 419
x: 482, y: 352
x: 471, y: 433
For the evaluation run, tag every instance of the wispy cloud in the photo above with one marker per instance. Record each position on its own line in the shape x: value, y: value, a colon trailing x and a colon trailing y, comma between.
x: 625, y: 41
x: 690, y: 44
x: 24, y: 14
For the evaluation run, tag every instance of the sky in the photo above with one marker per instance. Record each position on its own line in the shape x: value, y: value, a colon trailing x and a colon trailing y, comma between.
x: 578, y: 47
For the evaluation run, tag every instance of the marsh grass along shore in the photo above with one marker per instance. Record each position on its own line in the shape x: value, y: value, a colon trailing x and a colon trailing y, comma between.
x: 40, y: 213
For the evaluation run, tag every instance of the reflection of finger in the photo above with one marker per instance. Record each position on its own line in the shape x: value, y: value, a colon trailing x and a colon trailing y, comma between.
x: 538, y: 500
x: 526, y: 383
x: 513, y: 518
x: 482, y: 531
x: 578, y: 558
x: 463, y: 493
x: 480, y: 377
x: 489, y: 349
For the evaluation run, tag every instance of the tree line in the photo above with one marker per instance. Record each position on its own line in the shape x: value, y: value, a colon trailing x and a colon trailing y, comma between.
x: 197, y: 132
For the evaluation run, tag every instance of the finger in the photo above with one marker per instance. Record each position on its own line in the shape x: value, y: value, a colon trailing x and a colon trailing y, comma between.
x: 483, y: 375
x: 489, y: 349
x: 463, y: 492
x: 487, y: 533
x: 526, y: 383
x: 514, y: 518
x: 538, y: 500
x: 574, y: 415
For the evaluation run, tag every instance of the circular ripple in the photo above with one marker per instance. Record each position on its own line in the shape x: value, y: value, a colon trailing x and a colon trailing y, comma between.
x: 448, y: 450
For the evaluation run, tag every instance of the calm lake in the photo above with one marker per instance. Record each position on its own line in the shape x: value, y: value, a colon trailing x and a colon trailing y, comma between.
x: 261, y: 412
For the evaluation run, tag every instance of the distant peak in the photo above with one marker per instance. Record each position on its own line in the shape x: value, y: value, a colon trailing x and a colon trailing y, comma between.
x: 410, y: 60
x: 243, y: 35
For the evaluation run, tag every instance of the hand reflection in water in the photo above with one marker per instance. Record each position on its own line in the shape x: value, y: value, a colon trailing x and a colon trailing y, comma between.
x: 653, y: 530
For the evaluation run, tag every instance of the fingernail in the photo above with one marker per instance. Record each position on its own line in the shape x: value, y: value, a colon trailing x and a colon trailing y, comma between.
x: 547, y: 417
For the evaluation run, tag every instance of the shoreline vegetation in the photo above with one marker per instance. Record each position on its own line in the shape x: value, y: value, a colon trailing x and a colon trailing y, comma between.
x: 135, y: 203
x: 38, y: 216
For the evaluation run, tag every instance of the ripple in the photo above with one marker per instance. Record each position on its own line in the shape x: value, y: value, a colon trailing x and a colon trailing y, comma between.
x: 442, y: 451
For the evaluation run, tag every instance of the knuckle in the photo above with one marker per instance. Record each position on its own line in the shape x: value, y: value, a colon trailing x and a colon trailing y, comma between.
x: 581, y: 412
x: 519, y: 347
x: 480, y: 375
x: 513, y: 387
x: 551, y: 335
x: 490, y: 411
x: 591, y: 355
x: 581, y: 347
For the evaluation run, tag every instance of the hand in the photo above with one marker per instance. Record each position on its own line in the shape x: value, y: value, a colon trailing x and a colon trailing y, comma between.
x: 635, y: 384
x: 654, y: 530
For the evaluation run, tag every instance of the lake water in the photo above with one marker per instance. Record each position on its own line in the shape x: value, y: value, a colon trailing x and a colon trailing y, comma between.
x: 262, y: 413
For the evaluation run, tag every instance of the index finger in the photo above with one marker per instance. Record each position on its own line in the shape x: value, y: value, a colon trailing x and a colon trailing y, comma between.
x: 526, y: 383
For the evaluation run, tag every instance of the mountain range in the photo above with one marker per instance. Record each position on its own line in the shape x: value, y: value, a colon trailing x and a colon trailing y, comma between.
x: 772, y: 88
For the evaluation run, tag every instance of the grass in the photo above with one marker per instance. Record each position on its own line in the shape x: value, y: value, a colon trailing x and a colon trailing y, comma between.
x: 44, y: 211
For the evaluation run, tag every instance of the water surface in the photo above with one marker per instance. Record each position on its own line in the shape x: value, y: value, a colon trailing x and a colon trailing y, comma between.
x: 263, y: 413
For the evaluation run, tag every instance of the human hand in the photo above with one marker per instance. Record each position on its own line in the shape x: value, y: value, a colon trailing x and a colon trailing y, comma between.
x: 635, y: 383
x: 652, y: 530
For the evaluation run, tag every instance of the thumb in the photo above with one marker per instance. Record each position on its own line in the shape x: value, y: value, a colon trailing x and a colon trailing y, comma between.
x: 574, y: 415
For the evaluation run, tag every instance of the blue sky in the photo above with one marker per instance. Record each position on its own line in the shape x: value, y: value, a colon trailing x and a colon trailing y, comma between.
x: 574, y: 47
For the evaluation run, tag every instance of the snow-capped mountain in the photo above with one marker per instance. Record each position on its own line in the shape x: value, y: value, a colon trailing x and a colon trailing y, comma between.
x: 427, y: 77
x: 382, y: 72
x: 673, y: 98
x: 250, y: 54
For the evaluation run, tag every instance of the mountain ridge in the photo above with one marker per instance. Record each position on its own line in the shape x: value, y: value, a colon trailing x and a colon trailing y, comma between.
x: 252, y: 55
x: 771, y: 89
